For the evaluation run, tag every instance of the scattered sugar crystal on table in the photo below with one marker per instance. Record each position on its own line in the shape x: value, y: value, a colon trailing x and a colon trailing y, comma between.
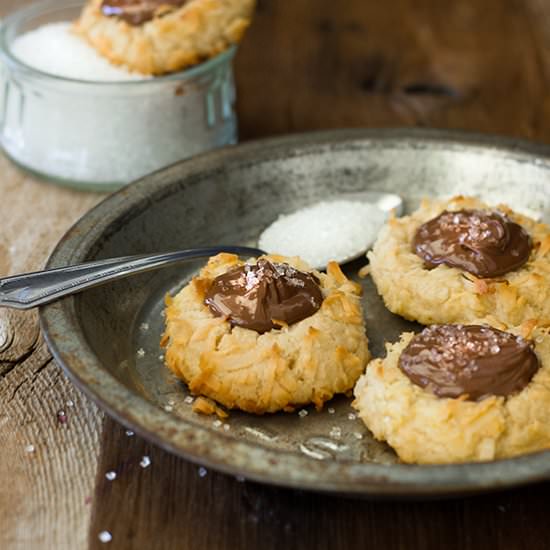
x: 129, y: 433
x: 303, y: 413
x: 145, y: 462
x: 331, y: 410
x: 111, y: 475
x: 329, y: 230
x: 140, y: 352
x: 188, y: 400
x: 29, y: 449
x: 144, y: 327
x: 352, y: 416
x: 202, y: 471
x: 105, y: 536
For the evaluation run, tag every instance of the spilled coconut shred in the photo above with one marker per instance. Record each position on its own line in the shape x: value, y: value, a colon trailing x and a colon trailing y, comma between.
x: 329, y: 230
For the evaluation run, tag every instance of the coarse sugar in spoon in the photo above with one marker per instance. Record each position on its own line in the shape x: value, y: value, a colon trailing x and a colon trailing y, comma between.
x: 341, y: 229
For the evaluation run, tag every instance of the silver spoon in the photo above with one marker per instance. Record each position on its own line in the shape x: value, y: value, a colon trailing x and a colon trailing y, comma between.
x: 387, y: 202
x: 30, y: 290
x: 42, y: 287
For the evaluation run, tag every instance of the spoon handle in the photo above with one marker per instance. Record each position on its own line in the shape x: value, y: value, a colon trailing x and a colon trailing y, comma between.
x: 42, y: 287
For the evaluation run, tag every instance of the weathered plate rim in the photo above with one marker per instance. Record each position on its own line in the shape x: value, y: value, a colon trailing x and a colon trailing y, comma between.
x: 257, y: 462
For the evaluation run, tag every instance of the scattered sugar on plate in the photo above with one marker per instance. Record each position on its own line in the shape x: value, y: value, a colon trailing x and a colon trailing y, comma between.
x: 56, y: 50
x: 336, y: 432
x: 330, y: 230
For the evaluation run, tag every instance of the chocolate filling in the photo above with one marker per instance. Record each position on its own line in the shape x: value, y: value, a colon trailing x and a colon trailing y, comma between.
x: 486, y: 244
x: 137, y: 12
x: 264, y: 296
x: 470, y: 360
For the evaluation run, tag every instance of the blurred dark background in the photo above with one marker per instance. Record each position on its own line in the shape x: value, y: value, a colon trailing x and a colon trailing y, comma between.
x: 469, y: 64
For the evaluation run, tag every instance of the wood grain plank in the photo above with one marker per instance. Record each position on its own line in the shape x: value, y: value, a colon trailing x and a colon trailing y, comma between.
x: 43, y: 497
x: 466, y: 65
x: 170, y: 505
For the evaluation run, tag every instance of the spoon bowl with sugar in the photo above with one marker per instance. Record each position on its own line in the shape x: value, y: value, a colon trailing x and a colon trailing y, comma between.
x: 341, y: 229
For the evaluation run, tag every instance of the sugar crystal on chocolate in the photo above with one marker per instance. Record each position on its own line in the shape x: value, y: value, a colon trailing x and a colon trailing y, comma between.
x: 469, y: 360
x: 486, y: 244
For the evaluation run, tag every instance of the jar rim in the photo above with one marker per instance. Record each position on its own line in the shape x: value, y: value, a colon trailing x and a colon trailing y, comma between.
x: 43, y: 6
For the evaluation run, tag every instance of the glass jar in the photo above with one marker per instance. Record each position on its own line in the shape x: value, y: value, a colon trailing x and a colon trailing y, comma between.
x: 102, y: 135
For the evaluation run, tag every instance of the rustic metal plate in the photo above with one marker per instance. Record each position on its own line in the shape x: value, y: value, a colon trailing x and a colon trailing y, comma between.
x: 107, y: 339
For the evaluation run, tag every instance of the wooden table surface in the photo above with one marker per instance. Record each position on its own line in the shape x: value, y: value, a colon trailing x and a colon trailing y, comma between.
x: 304, y: 65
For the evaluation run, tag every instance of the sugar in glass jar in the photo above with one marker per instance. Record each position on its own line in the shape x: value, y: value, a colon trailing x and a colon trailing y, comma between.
x: 103, y: 134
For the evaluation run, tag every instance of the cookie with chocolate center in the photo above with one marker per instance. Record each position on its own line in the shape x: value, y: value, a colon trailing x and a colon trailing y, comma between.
x: 463, y: 261
x: 266, y: 335
x: 156, y: 37
x: 458, y: 393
